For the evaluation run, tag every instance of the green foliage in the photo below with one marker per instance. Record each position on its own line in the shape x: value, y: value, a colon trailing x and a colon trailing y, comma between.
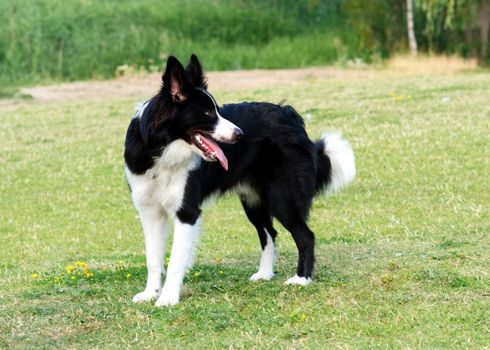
x: 402, y: 254
x: 444, y: 15
x: 376, y: 24
x: 82, y: 39
x: 52, y: 40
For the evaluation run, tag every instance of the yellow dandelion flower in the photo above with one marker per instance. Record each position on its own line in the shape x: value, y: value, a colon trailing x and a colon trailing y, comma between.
x: 128, y: 275
x: 303, y: 317
x: 69, y: 269
x: 34, y: 275
x: 120, y: 262
x: 167, y: 259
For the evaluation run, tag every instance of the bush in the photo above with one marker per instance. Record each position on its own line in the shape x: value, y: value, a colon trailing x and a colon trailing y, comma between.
x: 82, y: 39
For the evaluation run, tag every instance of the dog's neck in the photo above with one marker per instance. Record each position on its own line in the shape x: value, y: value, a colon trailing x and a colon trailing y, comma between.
x: 178, y: 154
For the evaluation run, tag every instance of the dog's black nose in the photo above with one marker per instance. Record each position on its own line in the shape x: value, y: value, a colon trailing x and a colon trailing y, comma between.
x: 237, y: 133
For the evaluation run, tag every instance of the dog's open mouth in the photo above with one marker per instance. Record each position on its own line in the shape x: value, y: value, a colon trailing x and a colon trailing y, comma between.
x: 210, y: 149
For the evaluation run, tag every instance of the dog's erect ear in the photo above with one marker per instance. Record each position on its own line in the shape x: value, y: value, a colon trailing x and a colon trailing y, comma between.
x: 175, y: 80
x: 194, y: 71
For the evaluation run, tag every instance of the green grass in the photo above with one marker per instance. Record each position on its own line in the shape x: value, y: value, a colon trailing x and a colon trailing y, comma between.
x: 402, y: 255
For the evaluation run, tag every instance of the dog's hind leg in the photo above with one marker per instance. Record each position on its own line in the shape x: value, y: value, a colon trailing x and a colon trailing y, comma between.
x: 292, y: 215
x: 261, y: 219
x: 155, y: 227
x: 305, y: 242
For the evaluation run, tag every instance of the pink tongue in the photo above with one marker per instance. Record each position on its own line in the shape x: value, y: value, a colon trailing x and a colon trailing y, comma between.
x: 217, y: 150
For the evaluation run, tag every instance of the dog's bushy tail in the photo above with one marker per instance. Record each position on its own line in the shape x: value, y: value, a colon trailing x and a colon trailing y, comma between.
x: 336, y: 163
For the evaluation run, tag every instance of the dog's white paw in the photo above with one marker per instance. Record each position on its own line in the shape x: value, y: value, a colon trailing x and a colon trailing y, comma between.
x: 146, y: 295
x: 300, y: 281
x: 261, y: 275
x: 167, y: 299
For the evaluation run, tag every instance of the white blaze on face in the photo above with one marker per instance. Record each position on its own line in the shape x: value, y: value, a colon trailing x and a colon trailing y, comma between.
x: 224, y: 130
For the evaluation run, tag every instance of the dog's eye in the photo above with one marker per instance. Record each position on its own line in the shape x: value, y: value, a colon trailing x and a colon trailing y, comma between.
x: 209, y: 113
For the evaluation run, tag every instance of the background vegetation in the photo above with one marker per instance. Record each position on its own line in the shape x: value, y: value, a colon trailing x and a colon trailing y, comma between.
x: 42, y: 40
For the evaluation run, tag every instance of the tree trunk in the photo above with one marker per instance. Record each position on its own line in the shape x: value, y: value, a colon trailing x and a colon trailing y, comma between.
x: 412, y: 42
x: 469, y: 30
x: 484, y: 25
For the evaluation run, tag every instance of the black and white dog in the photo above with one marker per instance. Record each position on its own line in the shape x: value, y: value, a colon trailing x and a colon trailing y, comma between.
x: 182, y: 148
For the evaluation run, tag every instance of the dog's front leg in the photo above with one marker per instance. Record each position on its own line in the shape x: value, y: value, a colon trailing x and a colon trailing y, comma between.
x: 184, y: 237
x: 156, y: 229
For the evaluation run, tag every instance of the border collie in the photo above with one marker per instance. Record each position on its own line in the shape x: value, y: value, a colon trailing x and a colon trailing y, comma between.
x: 182, y: 148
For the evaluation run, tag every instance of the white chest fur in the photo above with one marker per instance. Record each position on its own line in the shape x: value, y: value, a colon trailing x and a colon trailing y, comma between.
x: 164, y: 184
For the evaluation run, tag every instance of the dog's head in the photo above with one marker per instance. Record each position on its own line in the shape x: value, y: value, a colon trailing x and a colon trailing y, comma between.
x: 188, y: 111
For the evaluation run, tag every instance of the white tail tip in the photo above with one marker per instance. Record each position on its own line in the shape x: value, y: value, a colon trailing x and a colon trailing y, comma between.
x: 342, y: 161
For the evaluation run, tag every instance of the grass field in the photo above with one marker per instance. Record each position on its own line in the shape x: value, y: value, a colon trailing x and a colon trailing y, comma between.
x: 403, y: 255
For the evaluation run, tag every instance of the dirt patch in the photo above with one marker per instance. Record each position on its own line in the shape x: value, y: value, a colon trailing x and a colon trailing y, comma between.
x: 141, y: 86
